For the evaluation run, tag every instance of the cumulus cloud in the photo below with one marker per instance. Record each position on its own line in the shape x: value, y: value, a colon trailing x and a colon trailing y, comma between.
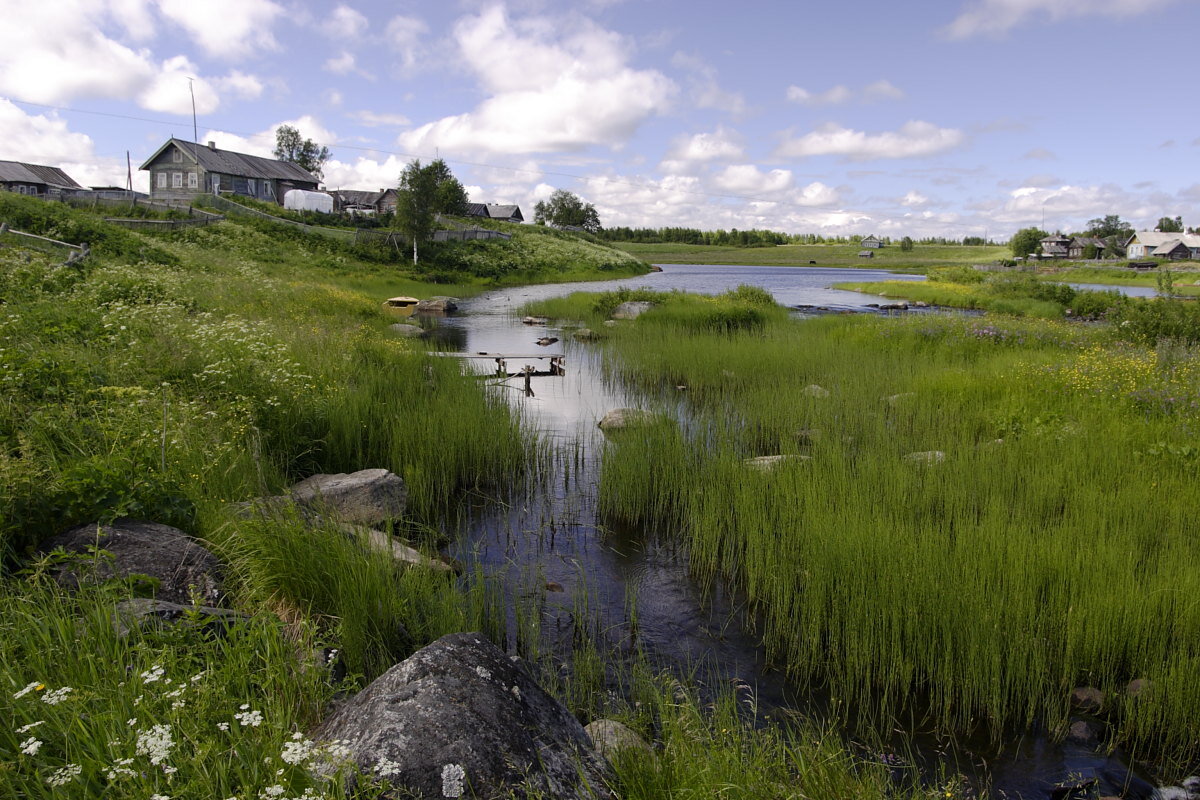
x: 342, y: 64
x: 263, y: 142
x: 226, y: 28
x: 912, y: 140
x: 374, y: 119
x: 46, y: 139
x: 574, y: 89
x: 720, y: 145
x: 704, y: 89
x: 344, y: 23
x: 748, y: 179
x: 403, y: 35
x: 914, y: 199
x: 837, y: 95
x: 997, y: 17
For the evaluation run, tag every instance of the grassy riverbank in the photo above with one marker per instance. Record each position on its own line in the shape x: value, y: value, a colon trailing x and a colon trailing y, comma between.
x: 171, y: 376
x: 978, y: 515
x: 920, y: 258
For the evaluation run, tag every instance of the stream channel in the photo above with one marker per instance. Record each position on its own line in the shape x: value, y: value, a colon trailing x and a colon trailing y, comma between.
x: 550, y: 534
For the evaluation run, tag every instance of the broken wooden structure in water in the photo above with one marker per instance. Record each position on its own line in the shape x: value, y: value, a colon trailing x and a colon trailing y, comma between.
x: 557, y: 366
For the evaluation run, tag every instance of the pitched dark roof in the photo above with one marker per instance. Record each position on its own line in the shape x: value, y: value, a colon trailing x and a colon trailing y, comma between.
x: 20, y: 172
x: 477, y: 210
x: 357, y: 197
x: 503, y: 212
x: 242, y: 165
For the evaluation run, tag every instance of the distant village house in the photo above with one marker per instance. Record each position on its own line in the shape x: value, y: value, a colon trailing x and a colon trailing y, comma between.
x: 872, y: 242
x: 1156, y: 244
x: 356, y: 201
x: 181, y: 170
x: 1059, y: 246
x: 503, y: 213
x: 35, y: 179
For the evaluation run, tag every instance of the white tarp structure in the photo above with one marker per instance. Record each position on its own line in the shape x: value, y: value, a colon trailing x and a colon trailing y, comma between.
x: 304, y: 200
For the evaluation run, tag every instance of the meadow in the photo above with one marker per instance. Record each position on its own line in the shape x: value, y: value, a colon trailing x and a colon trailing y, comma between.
x: 920, y: 258
x: 171, y: 376
x: 974, y: 515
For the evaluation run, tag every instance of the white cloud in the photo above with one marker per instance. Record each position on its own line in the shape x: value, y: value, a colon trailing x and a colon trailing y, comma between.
x: 995, y: 17
x: 838, y: 95
x: 914, y: 199
x: 364, y: 173
x: 263, y: 142
x: 373, y: 119
x: 345, y: 23
x: 705, y: 91
x: 46, y: 139
x: 573, y: 89
x: 247, y: 87
x: 168, y: 90
x: 747, y: 179
x: 226, y: 28
x: 912, y: 140
x: 341, y: 65
x: 720, y: 145
x: 403, y: 34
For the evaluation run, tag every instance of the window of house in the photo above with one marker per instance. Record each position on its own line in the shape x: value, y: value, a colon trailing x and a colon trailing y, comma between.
x: 176, y: 180
x: 193, y: 180
x: 176, y: 155
x: 268, y: 190
x: 250, y: 185
x: 162, y: 180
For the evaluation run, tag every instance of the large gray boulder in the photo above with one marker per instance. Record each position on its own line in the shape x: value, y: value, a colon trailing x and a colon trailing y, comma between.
x: 459, y: 718
x: 437, y: 305
x: 366, y: 497
x: 140, y: 613
x: 622, y: 418
x: 611, y: 737
x: 181, y: 570
x: 632, y: 309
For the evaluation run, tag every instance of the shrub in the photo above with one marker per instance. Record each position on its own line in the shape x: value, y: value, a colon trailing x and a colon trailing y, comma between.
x: 957, y: 275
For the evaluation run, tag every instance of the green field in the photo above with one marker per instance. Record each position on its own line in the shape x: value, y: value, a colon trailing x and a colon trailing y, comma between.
x: 825, y: 255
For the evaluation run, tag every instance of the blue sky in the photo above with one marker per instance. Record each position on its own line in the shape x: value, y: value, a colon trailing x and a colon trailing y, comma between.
x: 947, y: 117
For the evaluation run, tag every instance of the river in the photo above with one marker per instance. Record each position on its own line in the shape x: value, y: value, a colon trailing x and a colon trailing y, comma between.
x: 551, y: 534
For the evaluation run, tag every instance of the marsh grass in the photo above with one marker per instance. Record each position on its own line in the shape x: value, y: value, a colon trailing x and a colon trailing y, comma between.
x: 1045, y: 551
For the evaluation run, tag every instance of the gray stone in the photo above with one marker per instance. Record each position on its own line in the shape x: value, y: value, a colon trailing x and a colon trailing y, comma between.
x: 927, y: 457
x: 366, y: 497
x: 632, y: 309
x: 535, y: 320
x: 383, y: 542
x: 586, y: 335
x: 769, y: 463
x: 408, y: 331
x: 610, y: 323
x: 1084, y: 732
x: 624, y: 418
x: 437, y: 305
x: 813, y: 390
x: 610, y: 737
x: 180, y: 567
x: 459, y: 718
x: 1137, y: 686
x: 1087, y: 699
x: 1171, y: 793
x: 140, y: 613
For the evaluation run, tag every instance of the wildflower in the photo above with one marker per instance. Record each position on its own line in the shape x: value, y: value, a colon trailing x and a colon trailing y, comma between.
x: 64, y: 775
x: 119, y: 769
x: 387, y: 768
x: 131, y: 721
x: 160, y: 797
x: 57, y: 696
x: 222, y: 726
x: 452, y: 780
x: 156, y: 743
x: 271, y: 792
x: 251, y: 719
x: 30, y: 726
x: 153, y: 674
x: 297, y: 751
x: 33, y: 687
x: 30, y: 746
x: 196, y: 678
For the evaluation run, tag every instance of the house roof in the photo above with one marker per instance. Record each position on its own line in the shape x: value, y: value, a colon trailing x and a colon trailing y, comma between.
x: 477, y: 210
x: 503, y: 212
x: 357, y: 197
x: 1157, y: 238
x: 872, y: 238
x: 242, y: 165
x: 20, y: 172
x: 1084, y: 241
x: 1166, y: 248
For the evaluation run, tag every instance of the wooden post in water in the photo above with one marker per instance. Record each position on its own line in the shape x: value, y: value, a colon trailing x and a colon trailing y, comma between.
x: 528, y: 375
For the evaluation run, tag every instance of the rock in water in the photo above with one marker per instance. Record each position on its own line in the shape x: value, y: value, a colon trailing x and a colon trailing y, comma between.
x: 460, y: 719
x: 610, y: 736
x: 366, y: 497
x: 769, y: 463
x: 437, y: 305
x: 180, y: 567
x: 632, y: 309
x: 622, y: 418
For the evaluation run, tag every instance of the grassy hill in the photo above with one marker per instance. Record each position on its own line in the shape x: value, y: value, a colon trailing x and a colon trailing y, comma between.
x: 825, y: 255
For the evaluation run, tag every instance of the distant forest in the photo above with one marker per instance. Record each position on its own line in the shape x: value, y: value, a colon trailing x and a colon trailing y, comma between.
x: 750, y: 238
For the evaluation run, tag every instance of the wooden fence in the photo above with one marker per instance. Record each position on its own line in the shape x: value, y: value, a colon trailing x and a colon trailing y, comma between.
x: 75, y: 252
x: 225, y: 204
x: 163, y: 224
x: 469, y: 234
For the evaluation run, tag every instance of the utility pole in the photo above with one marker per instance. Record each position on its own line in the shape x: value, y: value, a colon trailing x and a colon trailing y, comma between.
x: 195, y: 134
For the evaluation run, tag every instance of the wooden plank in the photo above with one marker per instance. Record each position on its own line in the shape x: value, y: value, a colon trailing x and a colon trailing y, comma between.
x: 494, y: 356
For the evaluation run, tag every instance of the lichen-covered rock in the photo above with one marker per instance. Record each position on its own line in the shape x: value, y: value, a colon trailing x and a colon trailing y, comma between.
x: 459, y: 718
x: 180, y: 569
x: 1087, y: 699
x: 437, y: 305
x: 586, y: 335
x: 610, y: 736
x: 406, y: 330
x: 632, y: 309
x: 769, y: 463
x: 623, y: 418
x: 366, y: 497
x: 814, y: 390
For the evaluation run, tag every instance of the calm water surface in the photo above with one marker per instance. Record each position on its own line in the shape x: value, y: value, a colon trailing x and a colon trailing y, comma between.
x: 552, y: 532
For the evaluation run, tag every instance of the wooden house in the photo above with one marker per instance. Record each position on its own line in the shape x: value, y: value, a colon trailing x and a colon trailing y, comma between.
x: 1147, y: 244
x: 866, y: 253
x: 1078, y: 246
x: 872, y: 242
x: 357, y: 201
x: 35, y: 179
x: 1056, y: 246
x: 180, y: 170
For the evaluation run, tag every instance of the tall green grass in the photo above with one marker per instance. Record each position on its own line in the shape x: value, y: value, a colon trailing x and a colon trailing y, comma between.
x: 1047, y: 550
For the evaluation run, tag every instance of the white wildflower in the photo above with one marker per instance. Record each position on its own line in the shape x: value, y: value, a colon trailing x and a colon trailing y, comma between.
x: 452, y: 780
x: 196, y: 678
x: 57, y: 696
x: 31, y: 687
x: 169, y: 770
x: 64, y: 775
x: 271, y: 792
x: 131, y: 721
x: 156, y: 743
x: 222, y: 726
x: 120, y: 768
x: 153, y: 674
x: 30, y: 746
x: 160, y: 797
x: 30, y: 726
x: 387, y: 768
x: 298, y: 750
x: 251, y: 719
